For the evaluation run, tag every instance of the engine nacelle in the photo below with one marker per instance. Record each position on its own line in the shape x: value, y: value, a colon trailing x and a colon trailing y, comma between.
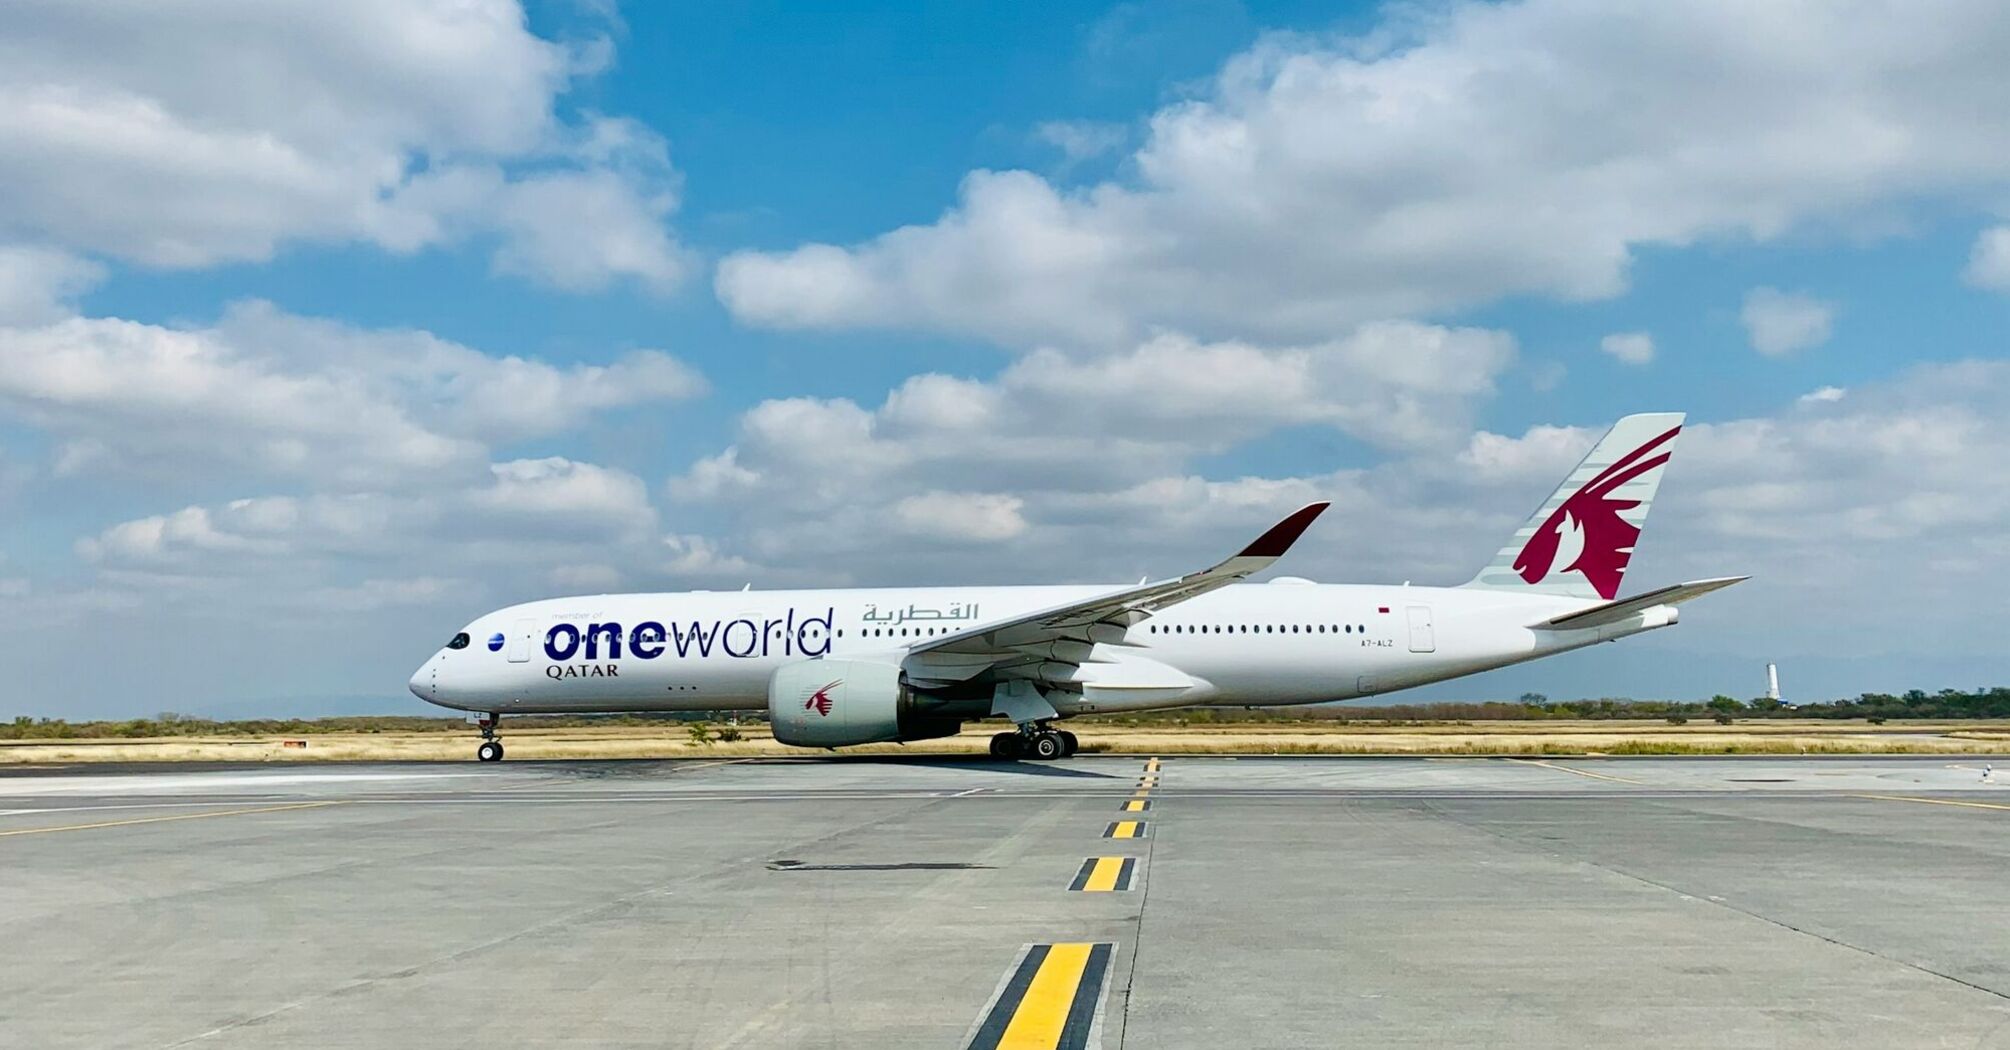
x: 832, y: 703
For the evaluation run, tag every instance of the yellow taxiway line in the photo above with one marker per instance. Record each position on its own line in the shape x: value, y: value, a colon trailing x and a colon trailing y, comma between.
x: 177, y: 816
x: 1105, y: 875
x: 1050, y: 1000
x: 1935, y: 801
x: 1577, y: 772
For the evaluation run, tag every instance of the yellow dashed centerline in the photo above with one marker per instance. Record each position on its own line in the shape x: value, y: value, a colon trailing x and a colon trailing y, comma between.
x: 1935, y: 801
x: 1125, y: 829
x: 1104, y: 875
x: 1049, y: 1002
x: 177, y: 816
x: 1136, y: 805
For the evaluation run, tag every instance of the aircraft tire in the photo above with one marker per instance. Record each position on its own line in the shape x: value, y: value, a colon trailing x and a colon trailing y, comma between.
x: 1048, y: 746
x: 490, y: 751
x: 1072, y: 744
x: 1005, y: 745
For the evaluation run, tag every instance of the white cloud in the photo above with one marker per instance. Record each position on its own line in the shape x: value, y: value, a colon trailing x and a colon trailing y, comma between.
x: 548, y: 517
x: 821, y: 481
x: 696, y: 557
x: 1779, y: 323
x: 37, y: 285
x: 1081, y: 140
x: 1471, y: 152
x: 180, y: 136
x: 279, y: 394
x: 1823, y: 395
x: 1634, y: 348
x: 1989, y: 261
x: 960, y: 517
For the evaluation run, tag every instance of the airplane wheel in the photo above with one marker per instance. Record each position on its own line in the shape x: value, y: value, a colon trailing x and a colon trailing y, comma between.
x: 490, y: 751
x: 1070, y: 743
x: 1048, y: 746
x: 1005, y: 745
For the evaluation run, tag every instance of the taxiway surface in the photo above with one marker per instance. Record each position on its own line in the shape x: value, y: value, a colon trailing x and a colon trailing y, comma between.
x: 1267, y: 902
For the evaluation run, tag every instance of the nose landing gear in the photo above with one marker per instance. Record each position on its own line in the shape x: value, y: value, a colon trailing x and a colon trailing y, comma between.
x: 491, y: 749
x: 1034, y: 740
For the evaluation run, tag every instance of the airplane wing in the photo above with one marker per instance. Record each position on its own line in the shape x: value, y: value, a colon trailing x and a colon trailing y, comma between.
x: 1612, y: 612
x: 1064, y: 633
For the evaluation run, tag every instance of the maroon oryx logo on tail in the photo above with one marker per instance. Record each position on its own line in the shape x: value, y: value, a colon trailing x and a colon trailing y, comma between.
x: 1594, y: 517
x: 820, y: 701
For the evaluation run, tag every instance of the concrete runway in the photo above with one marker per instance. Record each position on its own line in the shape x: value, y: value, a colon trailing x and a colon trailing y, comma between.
x: 1267, y: 902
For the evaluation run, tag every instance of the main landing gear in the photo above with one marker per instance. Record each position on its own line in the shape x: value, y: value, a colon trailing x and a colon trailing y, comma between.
x: 491, y: 749
x: 1034, y: 740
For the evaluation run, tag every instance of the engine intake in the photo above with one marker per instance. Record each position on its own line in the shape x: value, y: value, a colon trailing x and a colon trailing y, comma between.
x: 833, y: 703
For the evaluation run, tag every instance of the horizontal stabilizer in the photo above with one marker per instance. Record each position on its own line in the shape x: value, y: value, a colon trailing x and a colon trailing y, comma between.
x: 1613, y: 612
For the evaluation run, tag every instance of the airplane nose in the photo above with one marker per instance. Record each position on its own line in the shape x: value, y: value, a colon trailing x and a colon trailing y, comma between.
x: 422, y: 681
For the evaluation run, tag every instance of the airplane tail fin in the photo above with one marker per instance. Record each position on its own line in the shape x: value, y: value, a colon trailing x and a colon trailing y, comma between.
x: 1579, y: 541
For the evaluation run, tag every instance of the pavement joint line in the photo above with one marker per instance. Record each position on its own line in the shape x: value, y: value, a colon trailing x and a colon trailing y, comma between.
x: 1105, y: 875
x: 1935, y: 801
x: 174, y: 816
x: 1578, y: 772
x: 1051, y: 999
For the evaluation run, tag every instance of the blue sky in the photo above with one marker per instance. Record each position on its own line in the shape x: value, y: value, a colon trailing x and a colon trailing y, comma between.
x: 321, y: 343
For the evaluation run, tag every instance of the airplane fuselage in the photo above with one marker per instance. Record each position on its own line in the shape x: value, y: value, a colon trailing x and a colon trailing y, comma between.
x: 1277, y: 643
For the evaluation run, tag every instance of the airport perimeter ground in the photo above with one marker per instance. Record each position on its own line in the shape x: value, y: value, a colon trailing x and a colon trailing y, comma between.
x: 1823, y: 902
x: 528, y: 739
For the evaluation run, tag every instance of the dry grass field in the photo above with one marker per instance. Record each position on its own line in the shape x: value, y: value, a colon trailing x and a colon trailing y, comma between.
x: 1605, y: 737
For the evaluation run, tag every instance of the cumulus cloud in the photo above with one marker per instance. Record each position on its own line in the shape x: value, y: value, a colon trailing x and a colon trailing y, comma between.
x: 961, y: 517
x: 1779, y: 323
x: 1634, y: 348
x: 1056, y: 433
x: 182, y: 136
x: 1397, y: 384
x: 1081, y: 140
x: 280, y: 394
x: 550, y: 515
x: 1469, y: 153
x: 1989, y: 261
x: 38, y: 285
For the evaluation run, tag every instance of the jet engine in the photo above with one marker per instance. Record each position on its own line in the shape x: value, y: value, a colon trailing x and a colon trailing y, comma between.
x: 832, y: 703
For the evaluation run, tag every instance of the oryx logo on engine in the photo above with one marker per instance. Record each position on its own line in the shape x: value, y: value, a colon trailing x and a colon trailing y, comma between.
x: 820, y: 701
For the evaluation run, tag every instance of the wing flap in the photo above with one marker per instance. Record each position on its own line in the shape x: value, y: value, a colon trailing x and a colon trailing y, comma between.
x: 1615, y: 611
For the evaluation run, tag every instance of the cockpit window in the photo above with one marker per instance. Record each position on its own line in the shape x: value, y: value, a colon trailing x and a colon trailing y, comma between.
x: 460, y: 641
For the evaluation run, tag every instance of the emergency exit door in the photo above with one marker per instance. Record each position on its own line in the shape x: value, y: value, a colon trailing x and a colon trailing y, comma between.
x: 1422, y: 638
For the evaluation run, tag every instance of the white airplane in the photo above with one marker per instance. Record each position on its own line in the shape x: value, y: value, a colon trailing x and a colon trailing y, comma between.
x: 839, y: 667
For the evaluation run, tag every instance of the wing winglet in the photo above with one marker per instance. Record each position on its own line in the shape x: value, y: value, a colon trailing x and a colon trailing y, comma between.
x: 1282, y: 535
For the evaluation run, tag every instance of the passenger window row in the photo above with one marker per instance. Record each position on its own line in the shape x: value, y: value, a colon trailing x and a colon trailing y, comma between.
x: 1268, y: 628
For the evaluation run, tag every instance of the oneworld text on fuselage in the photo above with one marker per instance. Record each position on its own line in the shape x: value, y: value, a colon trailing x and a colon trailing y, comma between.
x: 742, y: 639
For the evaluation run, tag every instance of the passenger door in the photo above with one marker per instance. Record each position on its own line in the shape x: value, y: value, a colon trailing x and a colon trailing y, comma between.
x: 1423, y: 639
x: 519, y: 641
